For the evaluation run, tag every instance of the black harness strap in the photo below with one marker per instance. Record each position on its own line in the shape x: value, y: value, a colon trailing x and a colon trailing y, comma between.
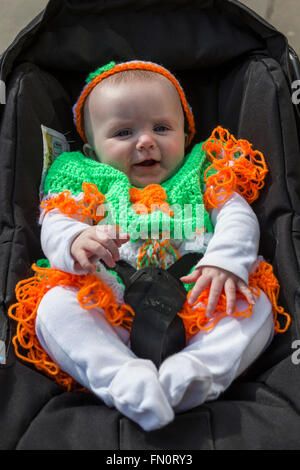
x: 156, y: 295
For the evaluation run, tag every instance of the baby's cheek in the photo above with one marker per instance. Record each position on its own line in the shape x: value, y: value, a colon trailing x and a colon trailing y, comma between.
x: 111, y: 152
x: 173, y: 163
x: 116, y: 160
x: 119, y: 165
x: 176, y: 151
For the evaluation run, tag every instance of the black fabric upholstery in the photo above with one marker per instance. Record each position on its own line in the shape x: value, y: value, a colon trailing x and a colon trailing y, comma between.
x: 234, y: 68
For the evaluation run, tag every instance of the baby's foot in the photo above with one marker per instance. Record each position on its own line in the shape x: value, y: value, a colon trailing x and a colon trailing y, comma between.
x: 185, y: 380
x: 137, y: 393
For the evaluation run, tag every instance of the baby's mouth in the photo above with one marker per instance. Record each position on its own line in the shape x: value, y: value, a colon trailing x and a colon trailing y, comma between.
x: 149, y: 162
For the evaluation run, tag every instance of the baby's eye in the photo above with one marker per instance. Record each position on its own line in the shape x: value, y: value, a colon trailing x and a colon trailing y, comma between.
x: 160, y: 128
x: 123, y: 133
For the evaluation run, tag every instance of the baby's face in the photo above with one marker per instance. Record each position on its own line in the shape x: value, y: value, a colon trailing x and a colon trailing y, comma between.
x: 138, y: 128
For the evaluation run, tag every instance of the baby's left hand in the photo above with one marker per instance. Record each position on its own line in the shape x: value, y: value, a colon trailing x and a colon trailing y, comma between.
x: 219, y: 279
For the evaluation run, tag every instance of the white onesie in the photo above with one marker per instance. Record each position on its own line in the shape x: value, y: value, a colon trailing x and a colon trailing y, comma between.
x: 96, y: 354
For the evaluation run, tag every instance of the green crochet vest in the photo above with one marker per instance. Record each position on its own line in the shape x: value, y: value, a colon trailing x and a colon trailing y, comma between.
x: 184, y: 192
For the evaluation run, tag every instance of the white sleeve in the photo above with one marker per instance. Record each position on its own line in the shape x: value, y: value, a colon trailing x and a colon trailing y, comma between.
x: 57, y: 234
x: 234, y: 245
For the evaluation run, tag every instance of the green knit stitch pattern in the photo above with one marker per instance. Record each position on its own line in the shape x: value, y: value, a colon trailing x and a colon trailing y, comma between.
x: 183, y: 190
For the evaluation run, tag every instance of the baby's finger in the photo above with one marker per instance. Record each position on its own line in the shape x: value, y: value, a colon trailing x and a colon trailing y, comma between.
x: 110, y: 245
x: 230, y: 291
x: 93, y: 248
x: 200, y: 285
x: 94, y: 259
x: 117, y: 235
x: 123, y: 237
x: 244, y: 289
x: 106, y: 256
x: 83, y: 261
x: 192, y: 277
x: 114, y: 232
x: 214, y: 294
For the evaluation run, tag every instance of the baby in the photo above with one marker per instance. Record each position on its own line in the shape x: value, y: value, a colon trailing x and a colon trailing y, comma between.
x: 135, y: 121
x: 128, y: 124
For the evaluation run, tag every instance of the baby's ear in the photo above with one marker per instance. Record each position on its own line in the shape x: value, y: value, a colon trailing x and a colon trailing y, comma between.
x: 89, y: 151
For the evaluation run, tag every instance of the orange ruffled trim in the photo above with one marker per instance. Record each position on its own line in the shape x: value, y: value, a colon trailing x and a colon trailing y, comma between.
x: 94, y: 293
x: 29, y: 292
x: 263, y: 278
x: 239, y: 168
x: 151, y: 197
x: 89, y: 206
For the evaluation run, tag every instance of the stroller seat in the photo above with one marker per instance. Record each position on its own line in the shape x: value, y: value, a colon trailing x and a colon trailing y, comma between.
x: 237, y: 72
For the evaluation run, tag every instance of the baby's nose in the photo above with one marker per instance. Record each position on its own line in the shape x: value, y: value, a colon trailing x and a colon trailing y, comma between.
x: 145, y: 142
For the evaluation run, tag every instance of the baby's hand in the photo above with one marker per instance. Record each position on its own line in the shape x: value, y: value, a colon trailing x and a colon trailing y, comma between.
x: 95, y: 243
x: 219, y: 279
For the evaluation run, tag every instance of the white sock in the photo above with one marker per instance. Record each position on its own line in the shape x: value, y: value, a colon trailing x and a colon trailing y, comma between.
x: 185, y: 380
x: 136, y: 392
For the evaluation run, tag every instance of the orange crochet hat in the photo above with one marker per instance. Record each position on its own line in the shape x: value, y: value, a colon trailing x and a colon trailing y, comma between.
x: 109, y: 69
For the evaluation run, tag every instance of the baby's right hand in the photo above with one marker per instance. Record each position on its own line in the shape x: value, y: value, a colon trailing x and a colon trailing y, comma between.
x: 100, y: 242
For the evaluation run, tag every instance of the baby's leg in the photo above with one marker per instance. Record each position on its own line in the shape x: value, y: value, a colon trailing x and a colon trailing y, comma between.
x: 212, y: 360
x: 86, y: 346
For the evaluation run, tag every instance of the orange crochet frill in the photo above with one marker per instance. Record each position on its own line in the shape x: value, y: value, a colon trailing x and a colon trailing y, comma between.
x: 149, y: 199
x: 92, y: 292
x: 263, y: 278
x: 90, y: 206
x: 238, y: 168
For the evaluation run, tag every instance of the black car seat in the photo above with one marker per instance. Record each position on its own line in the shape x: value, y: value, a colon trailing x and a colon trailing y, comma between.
x: 238, y: 71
